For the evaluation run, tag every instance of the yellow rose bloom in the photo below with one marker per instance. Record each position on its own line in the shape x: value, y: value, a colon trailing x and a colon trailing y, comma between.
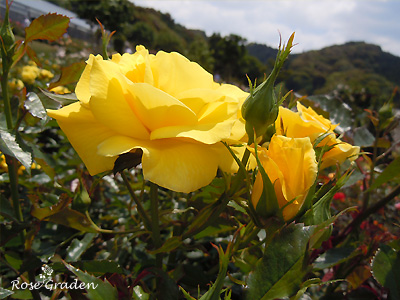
x: 291, y: 167
x: 30, y: 73
x: 307, y: 123
x: 163, y: 104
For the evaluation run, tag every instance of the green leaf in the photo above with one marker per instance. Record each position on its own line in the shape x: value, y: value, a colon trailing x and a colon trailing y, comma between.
x: 78, y: 247
x: 35, y: 106
x: 139, y: 294
x: 61, y: 100
x: 170, y: 244
x: 9, y: 231
x: 186, y: 294
x: 322, y: 231
x: 167, y: 288
x: 22, y: 294
x: 69, y: 74
x: 49, y: 27
x: 101, y: 289
x: 93, y: 267
x: 267, y: 205
x: 207, y: 215
x: 216, y: 289
x: 363, y: 137
x: 386, y: 270
x: 280, y: 272
x: 321, y: 211
x: 392, y: 171
x: 60, y: 213
x: 5, y: 293
x: 309, y: 283
x: 10, y: 146
x: 333, y: 257
x: 213, y: 230
x: 6, y: 209
x: 14, y: 259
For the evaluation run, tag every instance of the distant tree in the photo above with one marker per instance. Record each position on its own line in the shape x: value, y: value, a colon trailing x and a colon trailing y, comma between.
x: 229, y: 53
x: 253, y: 68
x: 113, y: 14
x: 262, y: 52
x: 199, y: 51
x: 140, y: 33
x: 169, y: 41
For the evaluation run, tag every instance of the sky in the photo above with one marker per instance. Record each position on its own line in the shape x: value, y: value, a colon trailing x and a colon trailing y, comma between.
x: 316, y: 23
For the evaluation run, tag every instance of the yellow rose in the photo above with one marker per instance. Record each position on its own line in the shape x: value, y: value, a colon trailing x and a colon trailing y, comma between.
x: 307, y: 123
x: 29, y: 73
x: 291, y: 167
x: 163, y: 104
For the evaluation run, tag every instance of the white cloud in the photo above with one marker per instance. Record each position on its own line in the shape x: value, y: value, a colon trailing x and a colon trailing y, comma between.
x: 317, y: 23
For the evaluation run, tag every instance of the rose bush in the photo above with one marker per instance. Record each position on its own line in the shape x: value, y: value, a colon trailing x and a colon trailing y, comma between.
x: 163, y: 104
x: 292, y: 169
x: 307, y: 123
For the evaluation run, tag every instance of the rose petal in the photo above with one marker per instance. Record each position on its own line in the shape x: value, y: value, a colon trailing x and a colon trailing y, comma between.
x: 85, y: 133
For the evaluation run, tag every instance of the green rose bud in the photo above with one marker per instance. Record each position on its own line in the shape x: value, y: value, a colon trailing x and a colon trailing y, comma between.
x: 6, y: 33
x: 261, y: 107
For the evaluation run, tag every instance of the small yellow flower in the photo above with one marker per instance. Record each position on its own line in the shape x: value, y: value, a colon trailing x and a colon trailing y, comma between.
x: 21, y: 169
x: 307, y: 123
x: 292, y: 169
x: 3, y: 164
x: 45, y: 74
x: 60, y: 90
x: 163, y: 104
x: 15, y: 85
x: 29, y: 74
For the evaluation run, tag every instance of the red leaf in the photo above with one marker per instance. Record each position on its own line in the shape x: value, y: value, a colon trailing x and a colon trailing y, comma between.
x: 69, y: 74
x: 47, y: 27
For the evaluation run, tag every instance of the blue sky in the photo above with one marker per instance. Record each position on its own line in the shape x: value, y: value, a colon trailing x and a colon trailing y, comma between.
x: 317, y: 23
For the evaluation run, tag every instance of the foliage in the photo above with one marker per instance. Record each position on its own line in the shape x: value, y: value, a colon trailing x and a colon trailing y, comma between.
x: 135, y: 240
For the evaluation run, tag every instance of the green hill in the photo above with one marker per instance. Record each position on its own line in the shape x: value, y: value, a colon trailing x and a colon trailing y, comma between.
x: 263, y: 52
x: 358, y: 66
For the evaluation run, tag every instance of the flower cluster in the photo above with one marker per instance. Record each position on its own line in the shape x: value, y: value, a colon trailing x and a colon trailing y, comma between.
x: 21, y: 169
x: 170, y: 113
x: 290, y: 160
x: 31, y: 72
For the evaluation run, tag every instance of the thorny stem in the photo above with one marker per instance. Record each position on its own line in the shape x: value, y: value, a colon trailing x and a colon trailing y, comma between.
x: 155, y: 227
x: 139, y: 206
x: 371, y: 173
x: 365, y: 214
x: 11, y: 161
x: 377, y: 206
x: 155, y: 231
